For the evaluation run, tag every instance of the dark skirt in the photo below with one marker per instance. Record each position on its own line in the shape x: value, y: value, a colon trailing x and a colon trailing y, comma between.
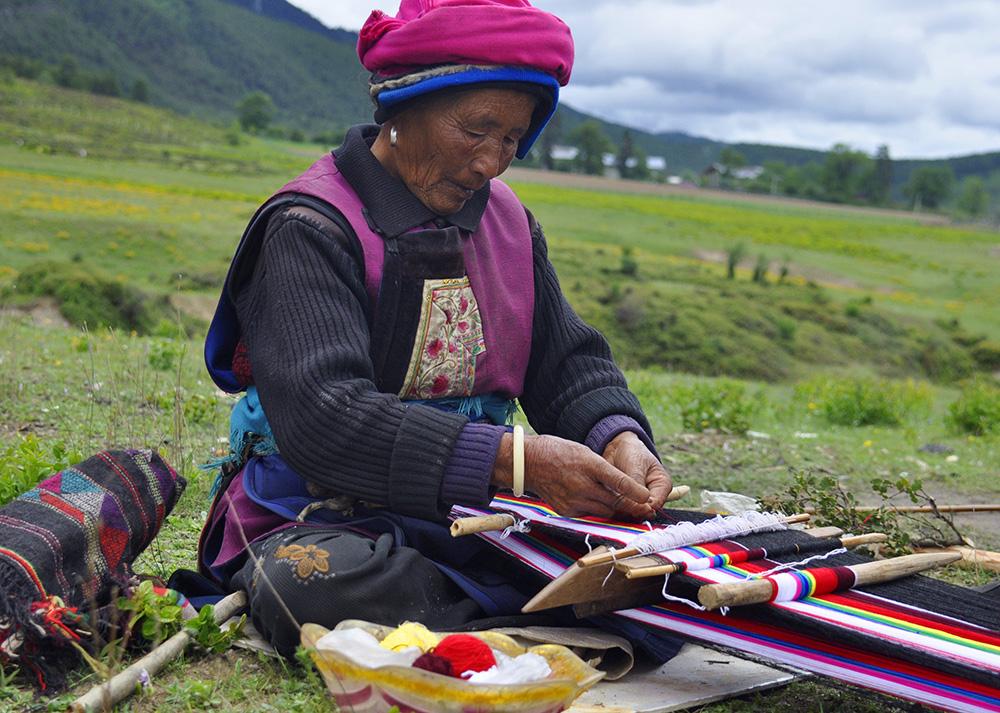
x: 369, y: 564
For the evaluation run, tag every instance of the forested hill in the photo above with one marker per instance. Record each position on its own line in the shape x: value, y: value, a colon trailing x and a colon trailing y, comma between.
x: 201, y: 57
x: 198, y: 56
x: 286, y: 12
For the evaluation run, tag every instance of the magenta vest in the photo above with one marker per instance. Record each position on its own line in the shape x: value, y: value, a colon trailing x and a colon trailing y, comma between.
x: 498, y: 260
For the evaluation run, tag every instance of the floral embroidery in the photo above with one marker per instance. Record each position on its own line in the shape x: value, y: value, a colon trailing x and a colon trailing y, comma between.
x: 309, y: 558
x: 449, y: 338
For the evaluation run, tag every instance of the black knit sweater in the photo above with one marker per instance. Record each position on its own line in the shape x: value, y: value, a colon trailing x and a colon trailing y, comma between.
x: 306, y: 322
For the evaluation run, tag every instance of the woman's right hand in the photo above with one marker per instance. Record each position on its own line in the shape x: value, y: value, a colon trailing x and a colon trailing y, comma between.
x: 569, y: 477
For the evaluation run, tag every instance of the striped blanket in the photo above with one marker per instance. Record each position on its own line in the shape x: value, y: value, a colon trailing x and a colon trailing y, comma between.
x: 919, y: 638
x: 65, y: 546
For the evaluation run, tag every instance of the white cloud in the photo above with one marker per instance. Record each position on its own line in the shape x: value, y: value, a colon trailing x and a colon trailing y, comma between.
x: 920, y: 75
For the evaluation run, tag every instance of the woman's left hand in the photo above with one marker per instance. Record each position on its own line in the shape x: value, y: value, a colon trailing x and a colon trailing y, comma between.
x: 629, y: 454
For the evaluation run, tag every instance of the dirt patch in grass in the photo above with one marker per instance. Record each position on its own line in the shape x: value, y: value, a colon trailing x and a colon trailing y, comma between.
x: 201, y: 307
x: 43, y: 312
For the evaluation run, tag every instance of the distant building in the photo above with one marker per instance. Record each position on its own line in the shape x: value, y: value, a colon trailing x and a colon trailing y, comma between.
x: 656, y: 163
x: 747, y: 173
x: 712, y: 175
x: 564, y: 153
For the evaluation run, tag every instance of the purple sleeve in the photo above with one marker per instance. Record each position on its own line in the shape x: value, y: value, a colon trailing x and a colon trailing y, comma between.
x: 609, y: 427
x: 467, y: 475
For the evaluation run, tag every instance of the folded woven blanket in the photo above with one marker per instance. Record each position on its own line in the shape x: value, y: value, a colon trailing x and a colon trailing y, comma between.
x: 68, y: 543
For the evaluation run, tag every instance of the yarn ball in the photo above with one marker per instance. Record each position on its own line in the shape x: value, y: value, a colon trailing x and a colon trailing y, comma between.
x: 409, y: 634
x: 435, y: 664
x: 466, y: 653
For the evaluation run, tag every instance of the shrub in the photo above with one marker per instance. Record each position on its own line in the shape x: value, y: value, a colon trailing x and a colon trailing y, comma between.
x: 88, y: 298
x: 865, y: 402
x: 629, y: 265
x: 26, y: 462
x: 987, y: 355
x: 945, y: 361
x: 164, y: 354
x: 977, y: 409
x: 721, y: 405
x: 786, y: 328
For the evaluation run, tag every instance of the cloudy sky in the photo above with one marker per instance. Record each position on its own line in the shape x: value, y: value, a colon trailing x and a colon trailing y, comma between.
x: 922, y: 76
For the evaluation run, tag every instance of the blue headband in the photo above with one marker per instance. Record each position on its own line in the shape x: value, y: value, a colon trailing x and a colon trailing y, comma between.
x: 391, y: 98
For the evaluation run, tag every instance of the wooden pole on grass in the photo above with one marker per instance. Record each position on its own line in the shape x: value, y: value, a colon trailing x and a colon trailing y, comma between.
x: 116, y: 689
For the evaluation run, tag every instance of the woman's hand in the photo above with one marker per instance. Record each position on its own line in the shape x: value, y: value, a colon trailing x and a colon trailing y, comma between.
x: 629, y: 454
x: 572, y: 479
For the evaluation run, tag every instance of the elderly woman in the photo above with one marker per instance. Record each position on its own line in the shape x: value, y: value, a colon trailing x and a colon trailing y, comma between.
x: 383, y: 312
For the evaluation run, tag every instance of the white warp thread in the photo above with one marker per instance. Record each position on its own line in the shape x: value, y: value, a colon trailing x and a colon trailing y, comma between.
x: 518, y: 526
x: 720, y: 527
x: 681, y: 600
x: 787, y: 565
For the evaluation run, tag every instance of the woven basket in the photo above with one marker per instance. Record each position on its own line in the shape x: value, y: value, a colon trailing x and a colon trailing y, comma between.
x: 360, y: 689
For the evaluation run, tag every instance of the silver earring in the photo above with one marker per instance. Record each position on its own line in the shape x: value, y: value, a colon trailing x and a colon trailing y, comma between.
x: 393, y: 136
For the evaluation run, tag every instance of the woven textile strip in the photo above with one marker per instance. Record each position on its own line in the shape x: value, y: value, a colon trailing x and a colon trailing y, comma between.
x: 918, y: 639
x: 66, y: 543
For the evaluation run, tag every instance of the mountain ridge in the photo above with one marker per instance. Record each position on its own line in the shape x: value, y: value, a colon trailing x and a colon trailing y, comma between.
x: 201, y: 57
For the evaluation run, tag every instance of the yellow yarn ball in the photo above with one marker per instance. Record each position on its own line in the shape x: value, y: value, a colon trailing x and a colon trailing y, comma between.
x: 408, y: 634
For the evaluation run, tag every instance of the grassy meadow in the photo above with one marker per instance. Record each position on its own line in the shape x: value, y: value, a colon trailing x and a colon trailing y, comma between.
x: 117, y: 222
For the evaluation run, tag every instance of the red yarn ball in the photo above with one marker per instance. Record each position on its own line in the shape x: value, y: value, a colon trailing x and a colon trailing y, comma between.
x: 435, y: 664
x: 466, y: 653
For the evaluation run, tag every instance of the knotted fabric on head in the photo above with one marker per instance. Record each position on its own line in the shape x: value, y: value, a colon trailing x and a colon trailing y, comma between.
x: 431, y: 45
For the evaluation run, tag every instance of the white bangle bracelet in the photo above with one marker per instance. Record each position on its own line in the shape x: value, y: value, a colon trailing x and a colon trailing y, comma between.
x: 518, y: 484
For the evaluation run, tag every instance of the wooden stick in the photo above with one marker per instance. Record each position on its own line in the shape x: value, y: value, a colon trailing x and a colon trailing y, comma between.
x: 595, y: 558
x: 828, y: 531
x: 678, y: 492
x: 971, y: 507
x: 971, y: 557
x: 501, y: 521
x: 758, y: 591
x: 482, y: 523
x: 122, y: 685
x: 593, y: 584
x: 635, y: 570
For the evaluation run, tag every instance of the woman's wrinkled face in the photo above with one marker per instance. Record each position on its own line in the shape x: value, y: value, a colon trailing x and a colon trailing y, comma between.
x: 449, y: 147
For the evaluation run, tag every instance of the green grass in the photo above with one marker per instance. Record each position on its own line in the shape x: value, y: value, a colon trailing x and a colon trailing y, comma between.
x: 158, y: 204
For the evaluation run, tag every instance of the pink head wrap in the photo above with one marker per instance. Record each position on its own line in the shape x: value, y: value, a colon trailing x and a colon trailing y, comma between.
x: 427, y: 33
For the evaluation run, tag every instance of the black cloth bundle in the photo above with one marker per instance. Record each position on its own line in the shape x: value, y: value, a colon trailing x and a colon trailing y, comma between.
x: 67, y: 544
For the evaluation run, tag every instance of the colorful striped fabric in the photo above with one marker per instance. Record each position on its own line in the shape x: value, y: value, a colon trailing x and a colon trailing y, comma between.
x: 919, y: 639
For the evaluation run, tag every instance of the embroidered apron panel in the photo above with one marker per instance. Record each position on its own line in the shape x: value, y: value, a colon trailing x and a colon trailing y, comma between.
x: 449, y: 338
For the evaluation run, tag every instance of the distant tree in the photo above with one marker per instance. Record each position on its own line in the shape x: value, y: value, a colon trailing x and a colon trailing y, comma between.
x: 25, y: 67
x: 929, y: 186
x: 843, y: 173
x: 105, y: 83
x: 733, y: 256
x: 881, y: 188
x: 640, y: 171
x: 67, y: 74
x: 760, y: 270
x: 973, y: 199
x: 731, y: 158
x: 550, y: 137
x: 593, y: 143
x: 255, y: 111
x: 139, y: 91
x: 804, y: 181
x: 626, y: 152
x: 774, y: 178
